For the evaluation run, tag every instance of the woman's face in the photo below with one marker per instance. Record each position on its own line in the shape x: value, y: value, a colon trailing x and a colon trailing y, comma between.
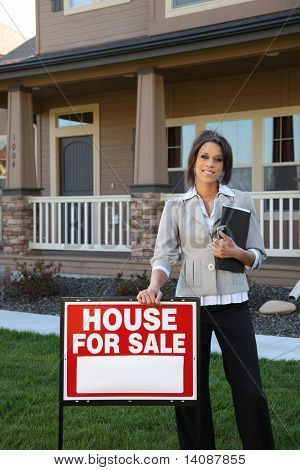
x: 209, y: 163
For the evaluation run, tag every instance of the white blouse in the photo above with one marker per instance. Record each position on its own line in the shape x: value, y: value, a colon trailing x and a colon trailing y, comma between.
x: 219, y: 299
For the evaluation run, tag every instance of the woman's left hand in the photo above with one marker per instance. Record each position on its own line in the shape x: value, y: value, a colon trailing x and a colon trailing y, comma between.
x: 224, y: 247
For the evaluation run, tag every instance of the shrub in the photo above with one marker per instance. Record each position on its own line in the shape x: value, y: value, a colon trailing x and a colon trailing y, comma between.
x: 138, y: 282
x: 40, y: 280
x: 126, y: 287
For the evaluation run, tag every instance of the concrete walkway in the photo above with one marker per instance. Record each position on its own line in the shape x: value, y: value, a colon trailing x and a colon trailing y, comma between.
x: 270, y: 347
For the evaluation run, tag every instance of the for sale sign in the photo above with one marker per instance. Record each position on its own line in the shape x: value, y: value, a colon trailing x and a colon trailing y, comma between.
x: 123, y: 350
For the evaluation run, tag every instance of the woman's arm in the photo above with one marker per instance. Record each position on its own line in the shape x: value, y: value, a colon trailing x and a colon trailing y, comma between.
x: 244, y: 256
x: 166, y: 253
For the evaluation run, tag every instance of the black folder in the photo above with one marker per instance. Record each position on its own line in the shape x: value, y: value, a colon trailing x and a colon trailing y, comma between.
x: 237, y: 221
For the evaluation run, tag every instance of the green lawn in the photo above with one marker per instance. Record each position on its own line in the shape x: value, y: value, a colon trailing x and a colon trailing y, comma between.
x: 29, y: 377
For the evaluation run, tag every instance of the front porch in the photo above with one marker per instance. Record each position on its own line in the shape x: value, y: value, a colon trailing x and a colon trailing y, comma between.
x: 98, y: 236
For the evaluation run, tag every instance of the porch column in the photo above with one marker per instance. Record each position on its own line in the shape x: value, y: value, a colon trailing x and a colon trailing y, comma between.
x: 150, y: 163
x: 21, y: 178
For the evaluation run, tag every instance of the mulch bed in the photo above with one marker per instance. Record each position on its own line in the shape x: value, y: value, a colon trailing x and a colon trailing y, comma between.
x: 276, y: 325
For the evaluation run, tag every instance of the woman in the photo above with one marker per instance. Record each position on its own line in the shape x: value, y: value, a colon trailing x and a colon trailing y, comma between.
x: 190, y: 223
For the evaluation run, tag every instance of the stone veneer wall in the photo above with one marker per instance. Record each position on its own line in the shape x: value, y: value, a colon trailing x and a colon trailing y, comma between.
x: 17, y: 221
x: 145, y: 214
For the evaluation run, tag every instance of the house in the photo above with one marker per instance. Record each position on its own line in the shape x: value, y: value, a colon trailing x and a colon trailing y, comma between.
x: 103, y: 108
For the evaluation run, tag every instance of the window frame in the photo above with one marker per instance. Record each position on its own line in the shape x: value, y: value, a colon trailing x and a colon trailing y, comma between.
x: 96, y: 4
x: 4, y: 137
x: 171, y: 11
x: 191, y: 123
x: 268, y: 164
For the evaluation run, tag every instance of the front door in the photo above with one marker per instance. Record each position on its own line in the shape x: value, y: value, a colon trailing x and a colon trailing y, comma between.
x: 76, y: 179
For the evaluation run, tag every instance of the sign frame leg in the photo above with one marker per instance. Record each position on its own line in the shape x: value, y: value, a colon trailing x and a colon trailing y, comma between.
x: 60, y: 425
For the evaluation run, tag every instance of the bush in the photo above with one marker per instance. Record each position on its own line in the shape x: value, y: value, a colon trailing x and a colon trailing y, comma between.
x: 138, y: 282
x: 40, y: 280
x: 126, y: 287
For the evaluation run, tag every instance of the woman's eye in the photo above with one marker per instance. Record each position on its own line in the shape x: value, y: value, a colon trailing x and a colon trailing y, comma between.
x: 203, y: 156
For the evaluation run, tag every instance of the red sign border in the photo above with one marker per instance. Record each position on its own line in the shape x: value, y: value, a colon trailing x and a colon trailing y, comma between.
x: 131, y: 400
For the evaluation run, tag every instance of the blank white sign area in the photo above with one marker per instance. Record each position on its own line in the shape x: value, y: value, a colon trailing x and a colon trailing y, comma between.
x: 130, y: 374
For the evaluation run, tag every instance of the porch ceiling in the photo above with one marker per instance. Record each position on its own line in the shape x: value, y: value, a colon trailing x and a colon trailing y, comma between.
x: 285, y: 59
x: 172, y: 75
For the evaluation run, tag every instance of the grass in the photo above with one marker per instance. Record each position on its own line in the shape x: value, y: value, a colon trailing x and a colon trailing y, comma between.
x: 29, y: 377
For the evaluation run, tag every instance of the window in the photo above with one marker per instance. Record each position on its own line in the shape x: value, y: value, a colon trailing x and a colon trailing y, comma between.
x: 3, y: 155
x: 179, y: 142
x: 282, y: 153
x: 77, y: 6
x: 182, y: 7
x: 239, y: 135
x: 67, y: 120
x: 80, y: 3
x: 181, y: 3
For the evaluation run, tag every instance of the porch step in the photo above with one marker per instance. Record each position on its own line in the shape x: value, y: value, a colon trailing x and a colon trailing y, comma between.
x: 276, y: 275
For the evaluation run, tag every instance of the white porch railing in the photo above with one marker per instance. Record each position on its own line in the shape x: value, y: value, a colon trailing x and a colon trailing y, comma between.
x: 91, y: 223
x: 279, y: 217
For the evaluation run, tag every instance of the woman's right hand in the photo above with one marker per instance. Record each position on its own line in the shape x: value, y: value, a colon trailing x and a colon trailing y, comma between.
x: 149, y: 296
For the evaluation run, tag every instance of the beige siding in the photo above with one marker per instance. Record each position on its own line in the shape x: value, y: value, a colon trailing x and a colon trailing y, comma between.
x: 58, y: 32
x: 117, y: 122
x: 117, y: 119
x: 213, y: 96
x: 45, y: 156
x: 294, y: 89
x: 159, y: 24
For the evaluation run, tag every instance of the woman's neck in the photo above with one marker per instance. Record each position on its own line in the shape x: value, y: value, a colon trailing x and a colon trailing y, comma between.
x: 207, y: 191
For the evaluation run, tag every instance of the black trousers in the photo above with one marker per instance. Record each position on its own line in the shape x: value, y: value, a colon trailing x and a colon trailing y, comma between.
x: 233, y: 327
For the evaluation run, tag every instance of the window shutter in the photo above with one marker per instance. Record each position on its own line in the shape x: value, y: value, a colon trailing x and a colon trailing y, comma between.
x: 57, y: 5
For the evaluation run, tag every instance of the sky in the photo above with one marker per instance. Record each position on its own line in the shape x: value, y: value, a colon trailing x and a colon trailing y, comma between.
x: 22, y: 13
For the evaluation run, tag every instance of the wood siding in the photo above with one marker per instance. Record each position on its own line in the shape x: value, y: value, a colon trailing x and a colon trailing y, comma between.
x: 214, y: 96
x: 118, y: 113
x: 59, y: 32
x: 117, y: 119
x: 45, y: 155
x: 159, y: 24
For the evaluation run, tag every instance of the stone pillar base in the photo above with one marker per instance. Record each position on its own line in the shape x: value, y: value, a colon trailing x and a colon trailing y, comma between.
x: 145, y: 214
x: 17, y: 225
